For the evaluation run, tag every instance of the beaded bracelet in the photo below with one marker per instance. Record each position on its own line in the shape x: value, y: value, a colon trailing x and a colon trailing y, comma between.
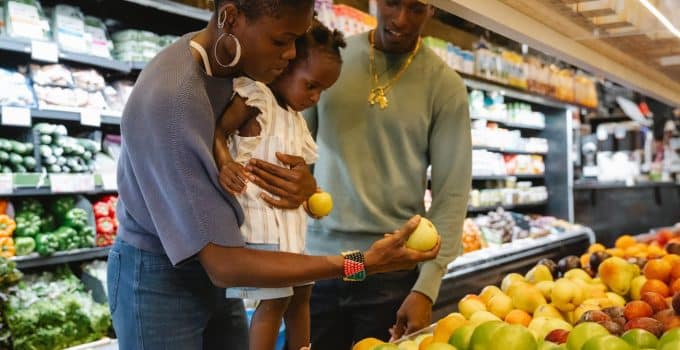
x: 354, y: 269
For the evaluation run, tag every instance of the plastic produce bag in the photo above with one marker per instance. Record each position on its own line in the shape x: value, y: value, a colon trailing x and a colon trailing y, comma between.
x: 14, y: 90
x: 26, y: 19
x: 97, y: 39
x: 69, y: 28
x: 51, y: 75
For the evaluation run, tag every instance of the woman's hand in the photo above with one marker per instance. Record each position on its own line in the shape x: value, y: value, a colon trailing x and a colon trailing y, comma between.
x: 233, y: 177
x: 391, y: 254
x: 292, y: 184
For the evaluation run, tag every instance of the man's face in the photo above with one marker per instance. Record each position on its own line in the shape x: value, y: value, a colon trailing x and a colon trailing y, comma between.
x: 400, y: 23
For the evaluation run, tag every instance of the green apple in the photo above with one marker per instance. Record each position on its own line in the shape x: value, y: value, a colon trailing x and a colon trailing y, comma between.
x: 673, y: 345
x: 320, y: 203
x: 672, y: 335
x: 640, y: 338
x: 408, y: 345
x: 584, y: 332
x: 606, y: 342
x: 461, y: 337
x: 548, y: 345
x: 440, y: 346
x: 424, y: 237
x: 483, y: 335
x: 513, y: 337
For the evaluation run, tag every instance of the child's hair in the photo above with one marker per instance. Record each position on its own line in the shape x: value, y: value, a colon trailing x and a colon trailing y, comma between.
x: 320, y: 37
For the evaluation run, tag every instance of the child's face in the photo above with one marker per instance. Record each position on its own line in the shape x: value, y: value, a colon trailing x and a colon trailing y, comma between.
x: 303, y: 84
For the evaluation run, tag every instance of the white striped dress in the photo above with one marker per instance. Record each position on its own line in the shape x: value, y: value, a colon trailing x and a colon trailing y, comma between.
x: 282, y: 130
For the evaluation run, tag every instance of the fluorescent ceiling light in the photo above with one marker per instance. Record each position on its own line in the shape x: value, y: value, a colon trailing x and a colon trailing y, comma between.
x: 667, y: 23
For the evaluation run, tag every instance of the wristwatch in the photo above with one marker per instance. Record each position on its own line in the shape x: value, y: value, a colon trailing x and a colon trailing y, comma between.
x: 354, y: 269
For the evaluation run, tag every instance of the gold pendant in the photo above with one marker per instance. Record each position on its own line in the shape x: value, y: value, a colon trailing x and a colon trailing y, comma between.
x: 377, y: 95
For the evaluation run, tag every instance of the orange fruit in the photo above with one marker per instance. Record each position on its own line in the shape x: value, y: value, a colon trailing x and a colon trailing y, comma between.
x: 635, y: 249
x: 367, y: 344
x: 672, y: 258
x: 625, y: 241
x: 657, y: 269
x: 675, y: 286
x: 517, y: 316
x: 656, y: 286
x: 596, y: 247
x: 585, y: 260
x: 446, y: 326
x: 675, y: 270
x: 425, y: 343
x: 636, y: 309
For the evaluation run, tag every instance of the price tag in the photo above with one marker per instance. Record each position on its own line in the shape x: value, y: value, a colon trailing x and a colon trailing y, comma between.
x: 6, y: 183
x: 17, y: 116
x: 91, y: 117
x: 71, y: 183
x: 110, y: 181
x: 44, y: 51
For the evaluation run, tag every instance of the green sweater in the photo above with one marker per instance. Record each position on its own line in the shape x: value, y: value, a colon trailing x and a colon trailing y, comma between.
x: 374, y: 162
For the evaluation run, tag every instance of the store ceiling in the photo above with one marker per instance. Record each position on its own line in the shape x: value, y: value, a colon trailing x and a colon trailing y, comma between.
x: 609, y: 26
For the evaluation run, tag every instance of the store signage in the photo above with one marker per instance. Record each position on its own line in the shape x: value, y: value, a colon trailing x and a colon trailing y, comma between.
x: 6, y: 183
x: 91, y: 117
x: 110, y: 181
x: 44, y: 51
x: 16, y: 116
x: 71, y: 183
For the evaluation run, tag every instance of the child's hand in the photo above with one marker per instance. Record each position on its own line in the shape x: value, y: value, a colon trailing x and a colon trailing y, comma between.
x: 233, y: 177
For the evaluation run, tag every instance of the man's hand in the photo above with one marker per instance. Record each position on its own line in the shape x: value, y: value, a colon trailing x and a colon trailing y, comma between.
x: 414, y: 314
x: 233, y: 177
x: 292, y: 184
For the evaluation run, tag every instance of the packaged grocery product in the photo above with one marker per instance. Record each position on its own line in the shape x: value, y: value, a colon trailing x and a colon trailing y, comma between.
x: 50, y: 97
x: 26, y: 19
x: 52, y: 75
x: 96, y: 36
x: 68, y: 26
x: 88, y: 79
x: 15, y: 89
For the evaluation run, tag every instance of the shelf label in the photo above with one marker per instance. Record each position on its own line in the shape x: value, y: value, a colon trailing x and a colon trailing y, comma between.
x: 17, y: 116
x: 91, y: 117
x: 72, y: 183
x: 6, y: 183
x: 110, y: 181
x: 44, y: 51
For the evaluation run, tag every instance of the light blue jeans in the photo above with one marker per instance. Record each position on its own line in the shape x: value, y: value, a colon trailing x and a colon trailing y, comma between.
x: 157, y: 306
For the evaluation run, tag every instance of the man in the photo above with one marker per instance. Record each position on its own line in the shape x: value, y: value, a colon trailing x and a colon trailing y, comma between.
x: 396, y: 109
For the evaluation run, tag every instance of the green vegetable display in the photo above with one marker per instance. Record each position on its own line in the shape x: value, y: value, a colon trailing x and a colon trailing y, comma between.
x: 28, y: 224
x: 67, y: 238
x: 87, y: 236
x: 31, y: 205
x: 49, y: 223
x: 62, y: 205
x: 46, y: 244
x: 76, y: 218
x: 24, y: 245
x: 52, y: 311
x: 9, y: 274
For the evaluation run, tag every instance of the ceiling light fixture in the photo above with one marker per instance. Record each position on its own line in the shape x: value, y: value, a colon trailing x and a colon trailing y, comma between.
x: 667, y: 23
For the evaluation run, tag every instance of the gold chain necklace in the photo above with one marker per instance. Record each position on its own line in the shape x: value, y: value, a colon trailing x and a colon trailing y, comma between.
x: 378, y: 93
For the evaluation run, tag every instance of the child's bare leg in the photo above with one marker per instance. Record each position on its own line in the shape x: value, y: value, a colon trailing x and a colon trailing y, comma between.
x: 297, y: 318
x: 264, y: 327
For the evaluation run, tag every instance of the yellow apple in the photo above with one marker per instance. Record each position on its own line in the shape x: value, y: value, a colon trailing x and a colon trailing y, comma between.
x: 489, y: 292
x: 480, y: 317
x: 424, y: 237
x: 548, y: 311
x: 470, y: 304
x: 509, y: 279
x: 636, y: 285
x: 500, y: 305
x: 320, y: 203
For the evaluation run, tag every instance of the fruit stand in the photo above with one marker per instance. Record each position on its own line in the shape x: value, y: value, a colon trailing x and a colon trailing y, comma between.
x: 624, y: 297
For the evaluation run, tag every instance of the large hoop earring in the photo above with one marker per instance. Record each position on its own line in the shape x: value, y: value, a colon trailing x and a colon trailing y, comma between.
x: 237, y: 55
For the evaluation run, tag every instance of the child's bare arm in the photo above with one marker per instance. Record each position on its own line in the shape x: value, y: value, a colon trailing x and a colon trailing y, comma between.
x: 233, y: 176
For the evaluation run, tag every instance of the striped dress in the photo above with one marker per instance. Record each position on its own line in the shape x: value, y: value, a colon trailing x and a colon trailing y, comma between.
x: 282, y: 130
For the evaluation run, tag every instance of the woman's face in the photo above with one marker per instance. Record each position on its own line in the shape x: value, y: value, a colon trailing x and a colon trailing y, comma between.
x: 268, y: 43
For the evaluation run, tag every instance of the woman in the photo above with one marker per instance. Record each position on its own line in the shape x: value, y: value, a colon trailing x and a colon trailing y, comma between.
x: 178, y: 240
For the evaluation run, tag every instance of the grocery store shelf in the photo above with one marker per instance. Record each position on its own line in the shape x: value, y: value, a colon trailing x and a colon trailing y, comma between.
x: 72, y: 115
x: 509, y: 124
x: 507, y: 150
x: 35, y: 260
x: 475, y: 82
x: 621, y: 185
x: 24, y: 46
x: 519, y: 249
x: 175, y: 8
x: 36, y: 184
x: 507, y: 207
x: 505, y: 177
